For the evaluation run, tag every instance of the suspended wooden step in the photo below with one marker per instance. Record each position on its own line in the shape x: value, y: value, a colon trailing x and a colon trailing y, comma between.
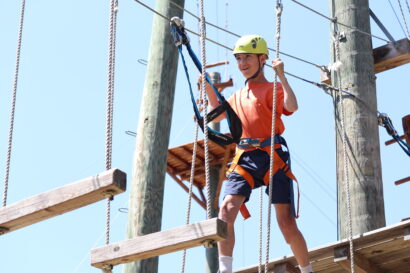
x: 382, y: 250
x: 385, y: 57
x: 60, y: 200
x: 159, y: 243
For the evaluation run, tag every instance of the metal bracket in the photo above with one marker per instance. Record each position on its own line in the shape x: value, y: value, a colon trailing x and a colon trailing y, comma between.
x: 109, y: 194
x: 209, y: 243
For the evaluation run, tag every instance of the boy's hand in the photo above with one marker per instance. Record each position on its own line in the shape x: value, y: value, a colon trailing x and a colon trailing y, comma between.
x: 279, y: 67
x: 200, y: 81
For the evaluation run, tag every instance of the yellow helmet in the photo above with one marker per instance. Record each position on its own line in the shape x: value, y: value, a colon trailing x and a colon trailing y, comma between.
x: 253, y: 44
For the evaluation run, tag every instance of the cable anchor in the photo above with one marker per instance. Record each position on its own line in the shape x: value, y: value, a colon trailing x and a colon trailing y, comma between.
x: 178, y: 31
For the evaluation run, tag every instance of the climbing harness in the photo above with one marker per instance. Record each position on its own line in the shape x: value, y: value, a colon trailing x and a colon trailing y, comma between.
x: 181, y: 38
x: 250, y: 144
x: 386, y: 122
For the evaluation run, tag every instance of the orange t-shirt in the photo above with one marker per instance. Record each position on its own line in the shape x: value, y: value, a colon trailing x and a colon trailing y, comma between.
x: 254, y: 109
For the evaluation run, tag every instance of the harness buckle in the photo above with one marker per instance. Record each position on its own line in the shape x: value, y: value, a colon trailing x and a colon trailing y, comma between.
x: 250, y: 142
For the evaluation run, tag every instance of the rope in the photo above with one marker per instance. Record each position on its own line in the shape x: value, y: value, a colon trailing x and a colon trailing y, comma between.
x: 408, y: 6
x: 404, y: 19
x: 334, y: 20
x: 260, y: 229
x: 222, y: 29
x: 110, y: 112
x: 323, y: 86
x: 205, y: 107
x: 397, y: 18
x: 191, y: 182
x: 13, y: 104
x: 279, y: 9
x: 345, y: 167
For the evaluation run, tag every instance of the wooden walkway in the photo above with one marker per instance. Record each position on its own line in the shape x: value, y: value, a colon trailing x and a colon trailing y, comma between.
x: 383, y: 250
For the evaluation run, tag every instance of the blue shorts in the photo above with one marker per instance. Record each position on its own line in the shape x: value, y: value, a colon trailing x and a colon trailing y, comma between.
x: 256, y: 162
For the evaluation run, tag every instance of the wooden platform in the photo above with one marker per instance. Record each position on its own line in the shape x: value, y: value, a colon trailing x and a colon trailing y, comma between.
x: 383, y: 250
x: 60, y: 200
x: 385, y: 58
x: 179, y: 166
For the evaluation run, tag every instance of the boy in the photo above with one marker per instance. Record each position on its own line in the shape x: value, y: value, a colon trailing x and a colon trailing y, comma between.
x: 253, y: 105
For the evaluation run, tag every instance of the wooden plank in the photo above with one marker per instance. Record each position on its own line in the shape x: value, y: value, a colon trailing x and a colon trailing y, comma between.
x: 60, y: 200
x: 385, y: 57
x: 391, y: 141
x: 285, y: 268
x: 321, y: 255
x: 361, y: 264
x: 401, y: 181
x: 391, y: 55
x: 406, y: 234
x: 159, y: 243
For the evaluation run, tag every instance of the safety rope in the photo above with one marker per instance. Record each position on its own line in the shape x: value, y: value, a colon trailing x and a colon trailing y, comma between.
x: 386, y: 122
x: 279, y: 9
x: 191, y: 183
x: 222, y: 29
x: 404, y: 19
x: 397, y: 18
x: 205, y: 107
x: 110, y: 113
x: 408, y: 6
x: 335, y: 21
x: 13, y: 104
x: 345, y: 167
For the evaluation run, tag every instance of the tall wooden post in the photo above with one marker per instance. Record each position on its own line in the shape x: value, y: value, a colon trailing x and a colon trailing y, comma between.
x: 147, y: 189
x: 212, y: 258
x: 361, y: 128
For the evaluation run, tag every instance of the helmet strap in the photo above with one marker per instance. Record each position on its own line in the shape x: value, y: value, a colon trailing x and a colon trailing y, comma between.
x: 256, y: 73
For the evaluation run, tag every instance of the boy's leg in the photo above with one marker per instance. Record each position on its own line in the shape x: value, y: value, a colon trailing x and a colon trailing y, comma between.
x: 291, y: 233
x: 228, y: 212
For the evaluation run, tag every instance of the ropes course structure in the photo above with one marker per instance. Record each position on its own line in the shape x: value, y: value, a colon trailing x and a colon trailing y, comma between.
x: 113, y: 181
x: 327, y: 88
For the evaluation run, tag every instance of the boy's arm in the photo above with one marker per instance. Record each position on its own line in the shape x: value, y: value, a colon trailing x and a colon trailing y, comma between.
x: 212, y: 98
x: 290, y: 102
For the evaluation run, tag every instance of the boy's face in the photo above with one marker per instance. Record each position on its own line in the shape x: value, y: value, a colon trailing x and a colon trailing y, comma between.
x: 248, y: 64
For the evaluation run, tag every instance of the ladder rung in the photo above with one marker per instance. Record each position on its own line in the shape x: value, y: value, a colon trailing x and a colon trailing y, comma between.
x: 60, y: 200
x: 159, y: 243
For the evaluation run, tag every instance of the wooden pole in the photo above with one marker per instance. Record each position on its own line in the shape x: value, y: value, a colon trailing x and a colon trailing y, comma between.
x: 212, y: 258
x: 147, y: 189
x: 361, y: 129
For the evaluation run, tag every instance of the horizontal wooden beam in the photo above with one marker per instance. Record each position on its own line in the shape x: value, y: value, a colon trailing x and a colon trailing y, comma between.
x: 385, y: 57
x: 60, y: 200
x: 159, y: 243
x: 285, y: 268
x: 401, y: 181
x: 391, y: 55
x: 361, y: 264
x: 322, y: 257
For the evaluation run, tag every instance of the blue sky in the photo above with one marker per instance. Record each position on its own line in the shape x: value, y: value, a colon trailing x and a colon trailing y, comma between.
x: 60, y: 121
